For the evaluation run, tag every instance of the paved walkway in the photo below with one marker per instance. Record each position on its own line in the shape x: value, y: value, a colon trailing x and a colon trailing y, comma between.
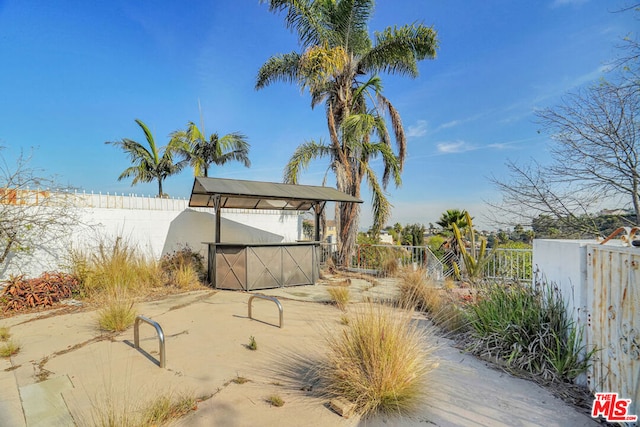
x: 68, y: 372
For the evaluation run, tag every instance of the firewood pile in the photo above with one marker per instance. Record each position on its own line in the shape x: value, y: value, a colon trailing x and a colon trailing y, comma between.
x: 20, y: 293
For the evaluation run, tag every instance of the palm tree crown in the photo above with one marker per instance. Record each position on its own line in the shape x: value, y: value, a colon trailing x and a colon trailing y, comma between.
x: 201, y: 152
x: 339, y: 66
x: 149, y: 164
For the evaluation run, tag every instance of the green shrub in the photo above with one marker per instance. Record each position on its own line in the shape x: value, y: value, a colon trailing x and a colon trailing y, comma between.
x: 529, y: 329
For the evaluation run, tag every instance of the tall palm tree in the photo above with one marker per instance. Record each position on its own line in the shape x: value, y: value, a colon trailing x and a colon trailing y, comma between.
x: 201, y: 152
x: 339, y: 66
x: 149, y: 164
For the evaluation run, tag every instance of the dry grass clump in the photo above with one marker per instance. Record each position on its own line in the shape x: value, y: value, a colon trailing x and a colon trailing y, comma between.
x: 114, y: 267
x: 184, y: 267
x: 380, y: 361
x: 106, y: 412
x: 443, y: 307
x: 275, y: 400
x: 339, y: 296
x: 4, y: 334
x: 8, y: 347
x: 117, y: 312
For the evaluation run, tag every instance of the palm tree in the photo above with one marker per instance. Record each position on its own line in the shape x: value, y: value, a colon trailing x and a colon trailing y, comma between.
x: 201, y: 152
x: 450, y: 217
x: 149, y: 164
x: 339, y: 66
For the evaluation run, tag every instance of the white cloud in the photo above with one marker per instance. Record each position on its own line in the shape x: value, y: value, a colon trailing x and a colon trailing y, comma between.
x: 419, y: 129
x: 560, y: 3
x: 454, y: 147
x: 450, y: 124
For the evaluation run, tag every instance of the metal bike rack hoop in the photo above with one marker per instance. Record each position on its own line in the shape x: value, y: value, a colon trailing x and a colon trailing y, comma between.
x: 136, y: 336
x: 274, y: 299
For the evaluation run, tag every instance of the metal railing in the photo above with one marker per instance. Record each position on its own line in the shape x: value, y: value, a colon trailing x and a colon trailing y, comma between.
x: 385, y: 260
x: 136, y: 336
x: 274, y: 299
x: 510, y: 264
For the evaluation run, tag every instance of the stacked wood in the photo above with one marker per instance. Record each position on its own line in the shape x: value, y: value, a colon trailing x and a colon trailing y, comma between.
x: 20, y: 293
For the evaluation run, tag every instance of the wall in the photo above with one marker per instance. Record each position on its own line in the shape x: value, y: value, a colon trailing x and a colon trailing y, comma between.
x: 155, y: 227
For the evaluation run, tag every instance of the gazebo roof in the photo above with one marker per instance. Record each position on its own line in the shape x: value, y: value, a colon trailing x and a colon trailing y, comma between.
x: 240, y: 194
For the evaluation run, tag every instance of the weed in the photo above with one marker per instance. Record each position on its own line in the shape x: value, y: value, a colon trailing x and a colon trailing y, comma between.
x: 240, y: 380
x: 166, y: 408
x: 184, y: 259
x: 253, y: 345
x: 339, y: 295
x: 344, y: 319
x: 4, y: 334
x: 275, y: 400
x: 380, y: 362
x: 117, y: 314
x: 9, y: 348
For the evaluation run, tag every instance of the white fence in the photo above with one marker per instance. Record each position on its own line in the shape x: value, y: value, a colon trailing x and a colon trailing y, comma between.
x: 600, y: 285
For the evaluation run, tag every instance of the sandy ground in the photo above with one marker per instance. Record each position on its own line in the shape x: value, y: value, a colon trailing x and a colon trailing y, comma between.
x: 68, y: 372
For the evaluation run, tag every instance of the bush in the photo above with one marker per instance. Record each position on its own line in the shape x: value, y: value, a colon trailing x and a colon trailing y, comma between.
x: 115, y: 267
x: 117, y: 313
x: 529, y: 329
x: 186, y: 263
x: 380, y: 362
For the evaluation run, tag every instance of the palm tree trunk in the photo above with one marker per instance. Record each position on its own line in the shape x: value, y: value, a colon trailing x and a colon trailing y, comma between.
x: 160, y: 194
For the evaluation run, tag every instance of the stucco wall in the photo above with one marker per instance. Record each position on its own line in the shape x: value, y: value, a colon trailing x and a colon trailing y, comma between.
x: 155, y: 232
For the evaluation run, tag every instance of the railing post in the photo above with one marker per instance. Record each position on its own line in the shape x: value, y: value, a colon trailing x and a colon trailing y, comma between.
x: 136, y: 336
x: 274, y: 299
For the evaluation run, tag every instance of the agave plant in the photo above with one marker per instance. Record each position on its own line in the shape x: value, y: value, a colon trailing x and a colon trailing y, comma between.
x: 474, y: 259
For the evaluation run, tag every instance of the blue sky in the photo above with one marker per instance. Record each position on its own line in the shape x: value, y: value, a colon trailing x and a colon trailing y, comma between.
x: 74, y: 74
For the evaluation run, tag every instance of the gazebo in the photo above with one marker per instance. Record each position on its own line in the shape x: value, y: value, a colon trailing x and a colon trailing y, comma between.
x: 249, y: 266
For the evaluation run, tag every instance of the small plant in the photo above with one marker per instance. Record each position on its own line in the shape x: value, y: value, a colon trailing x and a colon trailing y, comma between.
x: 240, y: 380
x: 344, y: 319
x: 166, y: 408
x: 380, y: 362
x: 253, y: 345
x: 275, y: 400
x: 117, y: 314
x: 4, y: 334
x: 339, y: 295
x: 9, y: 348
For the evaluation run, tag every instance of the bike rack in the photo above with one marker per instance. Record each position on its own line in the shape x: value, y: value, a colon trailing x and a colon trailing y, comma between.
x: 274, y: 299
x: 136, y: 336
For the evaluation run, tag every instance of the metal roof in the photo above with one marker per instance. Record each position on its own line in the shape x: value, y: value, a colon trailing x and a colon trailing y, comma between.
x: 241, y: 194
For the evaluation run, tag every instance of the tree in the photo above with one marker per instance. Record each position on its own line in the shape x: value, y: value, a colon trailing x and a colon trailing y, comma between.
x: 30, y: 217
x: 413, y: 235
x: 149, y: 164
x: 201, y: 152
x: 339, y: 66
x: 451, y: 217
x: 595, y: 157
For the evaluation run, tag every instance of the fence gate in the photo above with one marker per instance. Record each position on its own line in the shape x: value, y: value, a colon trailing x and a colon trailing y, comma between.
x: 613, y: 321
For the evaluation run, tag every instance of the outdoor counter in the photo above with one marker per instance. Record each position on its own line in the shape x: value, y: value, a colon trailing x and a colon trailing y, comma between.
x: 250, y: 266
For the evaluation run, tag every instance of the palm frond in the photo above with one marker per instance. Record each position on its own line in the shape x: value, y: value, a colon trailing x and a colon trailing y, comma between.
x: 397, y: 50
x: 381, y: 205
x: 301, y: 158
x: 305, y: 17
x: 279, y: 68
